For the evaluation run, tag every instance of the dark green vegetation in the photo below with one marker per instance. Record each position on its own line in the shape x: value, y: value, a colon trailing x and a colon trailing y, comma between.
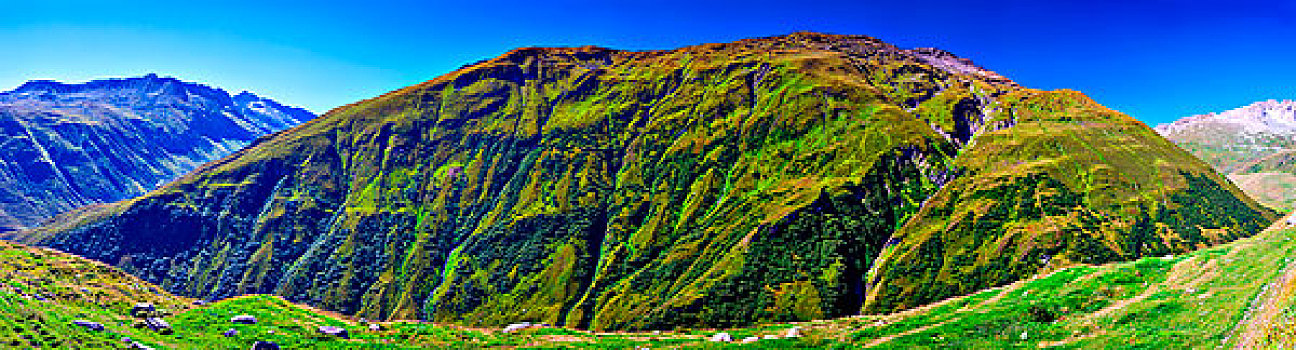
x: 63, y: 146
x: 790, y: 178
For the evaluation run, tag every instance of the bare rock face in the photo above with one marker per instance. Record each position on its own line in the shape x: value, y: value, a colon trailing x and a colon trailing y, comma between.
x: 63, y: 146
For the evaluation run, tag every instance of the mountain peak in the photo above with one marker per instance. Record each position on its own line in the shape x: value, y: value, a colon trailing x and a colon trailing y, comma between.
x: 1269, y: 116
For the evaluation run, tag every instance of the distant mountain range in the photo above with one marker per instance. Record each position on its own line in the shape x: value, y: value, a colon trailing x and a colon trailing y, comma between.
x: 63, y: 146
x: 787, y: 178
x: 1255, y: 145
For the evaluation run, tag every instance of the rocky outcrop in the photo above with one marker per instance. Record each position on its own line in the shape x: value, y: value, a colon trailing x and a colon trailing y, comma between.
x: 64, y: 146
x: 798, y: 177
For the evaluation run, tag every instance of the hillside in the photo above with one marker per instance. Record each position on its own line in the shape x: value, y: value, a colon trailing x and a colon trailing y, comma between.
x: 799, y: 177
x: 1253, y: 144
x: 1236, y: 295
x: 63, y: 146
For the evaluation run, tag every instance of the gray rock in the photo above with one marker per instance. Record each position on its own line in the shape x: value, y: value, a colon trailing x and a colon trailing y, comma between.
x: 751, y: 339
x: 375, y: 327
x: 721, y: 337
x: 265, y: 345
x: 231, y: 333
x: 157, y: 324
x: 793, y: 332
x: 142, y: 309
x: 524, y: 325
x: 94, y: 326
x: 243, y: 319
x: 334, y: 331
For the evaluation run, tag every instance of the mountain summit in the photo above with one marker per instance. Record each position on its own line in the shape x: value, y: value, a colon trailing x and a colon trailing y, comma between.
x: 796, y: 177
x: 1255, y: 145
x: 69, y: 145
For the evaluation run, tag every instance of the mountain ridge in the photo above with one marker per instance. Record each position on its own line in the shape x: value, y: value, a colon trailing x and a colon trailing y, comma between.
x: 785, y: 178
x: 1250, y: 144
x: 68, y: 145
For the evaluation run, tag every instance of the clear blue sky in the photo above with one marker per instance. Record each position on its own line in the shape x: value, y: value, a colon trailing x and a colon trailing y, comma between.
x: 1156, y: 60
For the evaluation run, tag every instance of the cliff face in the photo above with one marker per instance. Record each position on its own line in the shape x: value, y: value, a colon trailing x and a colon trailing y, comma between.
x: 63, y: 146
x: 787, y: 178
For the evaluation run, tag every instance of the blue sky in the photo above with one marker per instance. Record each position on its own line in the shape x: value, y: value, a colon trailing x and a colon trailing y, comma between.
x: 1156, y: 60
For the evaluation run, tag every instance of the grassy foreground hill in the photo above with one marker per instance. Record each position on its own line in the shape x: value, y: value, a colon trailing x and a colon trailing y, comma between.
x: 799, y: 177
x: 1237, y: 295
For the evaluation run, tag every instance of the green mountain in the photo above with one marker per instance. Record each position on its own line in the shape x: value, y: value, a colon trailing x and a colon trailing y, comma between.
x: 64, y: 146
x: 799, y: 177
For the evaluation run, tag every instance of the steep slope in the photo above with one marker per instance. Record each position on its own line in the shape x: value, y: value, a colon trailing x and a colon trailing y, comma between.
x: 1237, y: 295
x: 786, y: 178
x: 63, y: 146
x: 1253, y: 144
x: 46, y: 292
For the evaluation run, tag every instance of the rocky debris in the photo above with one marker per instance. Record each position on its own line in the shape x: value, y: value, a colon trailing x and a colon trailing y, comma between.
x: 230, y: 333
x: 524, y: 325
x: 334, y: 331
x: 243, y: 319
x: 721, y: 337
x: 375, y: 327
x: 793, y: 332
x: 94, y: 326
x: 265, y: 345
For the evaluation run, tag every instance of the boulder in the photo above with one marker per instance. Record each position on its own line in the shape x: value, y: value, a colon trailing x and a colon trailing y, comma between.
x: 158, y: 325
x: 94, y: 326
x: 265, y: 345
x: 142, y: 309
x: 524, y: 325
x: 770, y: 336
x: 793, y: 332
x: 721, y: 337
x: 751, y: 339
x: 334, y: 331
x: 230, y: 333
x: 243, y: 319
x: 375, y: 327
